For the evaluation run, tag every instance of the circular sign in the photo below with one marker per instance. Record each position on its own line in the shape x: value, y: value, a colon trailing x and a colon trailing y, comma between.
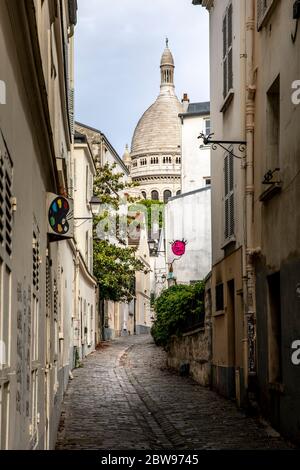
x: 58, y: 213
x: 178, y: 247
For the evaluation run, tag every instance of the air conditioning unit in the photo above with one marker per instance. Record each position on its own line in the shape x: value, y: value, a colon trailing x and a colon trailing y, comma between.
x: 60, y: 216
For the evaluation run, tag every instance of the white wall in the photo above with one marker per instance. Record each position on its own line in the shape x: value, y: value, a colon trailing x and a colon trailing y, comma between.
x: 195, y: 160
x: 188, y: 217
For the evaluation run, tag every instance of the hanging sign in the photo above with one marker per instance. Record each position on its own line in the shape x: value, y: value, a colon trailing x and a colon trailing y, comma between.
x: 179, y: 247
x: 60, y: 213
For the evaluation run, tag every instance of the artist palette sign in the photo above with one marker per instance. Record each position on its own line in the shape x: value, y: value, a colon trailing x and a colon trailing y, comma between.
x: 60, y: 216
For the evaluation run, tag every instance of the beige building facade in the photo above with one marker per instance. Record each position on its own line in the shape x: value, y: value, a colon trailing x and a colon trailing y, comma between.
x: 255, y: 277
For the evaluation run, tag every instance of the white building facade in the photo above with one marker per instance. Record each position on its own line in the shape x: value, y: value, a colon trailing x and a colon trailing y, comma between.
x: 84, y: 321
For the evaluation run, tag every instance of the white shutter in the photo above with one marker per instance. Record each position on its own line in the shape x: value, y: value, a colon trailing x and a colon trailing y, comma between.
x: 229, y: 219
x: 225, y: 84
x: 227, y: 50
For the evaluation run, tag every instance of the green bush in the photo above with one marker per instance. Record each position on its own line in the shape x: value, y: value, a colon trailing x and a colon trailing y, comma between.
x: 175, y: 309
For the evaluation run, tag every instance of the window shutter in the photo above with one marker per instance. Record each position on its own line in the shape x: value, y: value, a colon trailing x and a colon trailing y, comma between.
x: 225, y: 84
x: 226, y: 219
x: 231, y: 215
x: 229, y: 14
x: 229, y: 223
x: 229, y: 71
x: 71, y: 110
x: 231, y: 174
x: 226, y: 175
x: 224, y: 36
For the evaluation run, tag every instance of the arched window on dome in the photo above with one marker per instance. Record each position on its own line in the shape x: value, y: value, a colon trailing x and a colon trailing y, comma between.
x: 154, y: 196
x: 167, y: 196
x: 144, y: 194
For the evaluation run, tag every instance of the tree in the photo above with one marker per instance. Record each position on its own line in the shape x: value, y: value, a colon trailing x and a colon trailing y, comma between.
x: 114, y: 266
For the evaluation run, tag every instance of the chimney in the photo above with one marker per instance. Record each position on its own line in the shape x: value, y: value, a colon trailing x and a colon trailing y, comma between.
x: 185, y: 102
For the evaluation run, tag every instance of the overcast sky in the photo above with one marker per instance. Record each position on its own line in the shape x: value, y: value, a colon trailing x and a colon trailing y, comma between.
x: 118, y: 49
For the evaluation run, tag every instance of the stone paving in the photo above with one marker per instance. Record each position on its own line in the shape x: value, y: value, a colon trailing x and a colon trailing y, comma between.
x: 124, y: 398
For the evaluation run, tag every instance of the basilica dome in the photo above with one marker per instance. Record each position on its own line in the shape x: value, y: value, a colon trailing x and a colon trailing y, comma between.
x: 156, y: 144
x: 159, y: 129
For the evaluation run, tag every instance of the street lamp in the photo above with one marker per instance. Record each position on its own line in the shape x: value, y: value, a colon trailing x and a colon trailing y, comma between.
x: 95, y: 205
x: 153, y: 247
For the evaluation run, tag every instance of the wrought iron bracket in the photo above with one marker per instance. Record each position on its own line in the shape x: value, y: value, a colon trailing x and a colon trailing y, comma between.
x: 223, y: 143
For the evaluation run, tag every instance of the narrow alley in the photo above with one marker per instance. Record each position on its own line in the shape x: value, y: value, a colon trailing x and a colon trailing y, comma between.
x: 124, y: 398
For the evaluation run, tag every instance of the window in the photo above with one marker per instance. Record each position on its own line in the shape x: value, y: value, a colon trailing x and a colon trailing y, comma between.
x: 154, y: 196
x: 274, y: 329
x: 178, y: 160
x: 207, y: 181
x: 134, y: 164
x: 207, y: 127
x: 143, y: 161
x: 167, y: 160
x: 167, y: 196
x: 227, y: 52
x: 178, y: 192
x: 144, y: 194
x: 273, y: 125
x: 263, y: 10
x: 219, y: 297
x: 229, y: 195
x: 154, y: 161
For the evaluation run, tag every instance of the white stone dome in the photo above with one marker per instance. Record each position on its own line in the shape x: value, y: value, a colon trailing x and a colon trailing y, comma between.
x: 156, y: 143
x: 159, y: 129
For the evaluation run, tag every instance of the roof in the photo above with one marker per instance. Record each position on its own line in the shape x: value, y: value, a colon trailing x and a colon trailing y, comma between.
x: 113, y: 150
x: 197, y: 109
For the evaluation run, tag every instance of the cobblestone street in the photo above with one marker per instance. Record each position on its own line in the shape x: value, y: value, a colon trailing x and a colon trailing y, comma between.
x: 124, y: 398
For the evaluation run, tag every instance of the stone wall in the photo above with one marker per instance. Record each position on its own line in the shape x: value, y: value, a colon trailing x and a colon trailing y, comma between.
x: 192, y: 352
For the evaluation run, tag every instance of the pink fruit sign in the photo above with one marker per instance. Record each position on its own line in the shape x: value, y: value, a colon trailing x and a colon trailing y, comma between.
x: 178, y: 247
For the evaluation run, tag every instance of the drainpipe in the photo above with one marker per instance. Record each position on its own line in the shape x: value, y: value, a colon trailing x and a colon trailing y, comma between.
x: 249, y: 269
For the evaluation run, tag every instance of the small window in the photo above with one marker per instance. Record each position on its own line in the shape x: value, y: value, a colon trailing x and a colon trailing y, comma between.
x: 144, y: 194
x: 178, y: 193
x: 167, y: 196
x: 207, y: 127
x: 154, y: 196
x: 208, y: 181
x: 219, y: 297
